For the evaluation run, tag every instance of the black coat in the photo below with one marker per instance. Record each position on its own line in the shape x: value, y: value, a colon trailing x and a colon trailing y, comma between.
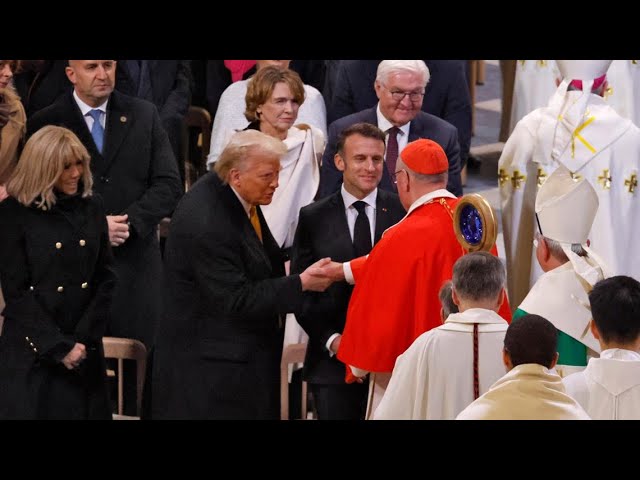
x: 137, y: 175
x: 323, y: 232
x: 219, y: 343
x: 55, y: 270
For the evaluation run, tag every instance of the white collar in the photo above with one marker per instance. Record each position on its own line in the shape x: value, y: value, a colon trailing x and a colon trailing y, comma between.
x: 84, y: 108
x: 349, y: 199
x: 384, y: 124
x: 427, y: 197
x: 475, y: 315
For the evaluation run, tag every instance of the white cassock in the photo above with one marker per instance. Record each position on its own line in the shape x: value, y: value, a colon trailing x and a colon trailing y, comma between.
x: 609, y: 388
x: 433, y: 378
x: 602, y: 147
x: 535, y: 84
x: 527, y: 392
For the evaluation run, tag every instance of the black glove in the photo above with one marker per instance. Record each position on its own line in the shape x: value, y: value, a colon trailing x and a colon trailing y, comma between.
x: 4, y: 114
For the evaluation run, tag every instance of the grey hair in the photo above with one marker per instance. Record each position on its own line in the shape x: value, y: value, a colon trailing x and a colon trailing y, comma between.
x: 386, y: 68
x: 241, y: 146
x: 478, y: 276
x: 555, y: 248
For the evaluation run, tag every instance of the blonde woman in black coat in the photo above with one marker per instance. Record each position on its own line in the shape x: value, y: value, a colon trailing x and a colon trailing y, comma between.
x: 57, y: 281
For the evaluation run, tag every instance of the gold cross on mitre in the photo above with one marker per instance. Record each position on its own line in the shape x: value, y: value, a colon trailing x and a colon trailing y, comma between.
x: 502, y: 177
x: 516, y: 179
x: 541, y: 177
x: 632, y: 183
x: 605, y: 179
x: 577, y: 134
x: 576, y: 177
x: 542, y: 63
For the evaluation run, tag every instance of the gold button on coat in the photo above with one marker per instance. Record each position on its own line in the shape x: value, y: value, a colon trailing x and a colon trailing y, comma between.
x: 82, y: 243
x: 58, y: 245
x: 85, y: 285
x: 61, y: 289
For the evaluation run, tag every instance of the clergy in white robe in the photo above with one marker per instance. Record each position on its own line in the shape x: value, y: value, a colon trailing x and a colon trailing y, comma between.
x: 565, y: 209
x: 581, y: 131
x: 531, y: 390
x: 448, y: 367
x: 609, y: 388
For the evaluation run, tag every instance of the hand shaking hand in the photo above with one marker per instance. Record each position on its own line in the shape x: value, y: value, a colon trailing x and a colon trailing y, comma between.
x: 315, y: 277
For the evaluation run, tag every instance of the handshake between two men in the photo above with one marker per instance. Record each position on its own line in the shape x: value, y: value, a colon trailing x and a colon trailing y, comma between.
x: 320, y: 275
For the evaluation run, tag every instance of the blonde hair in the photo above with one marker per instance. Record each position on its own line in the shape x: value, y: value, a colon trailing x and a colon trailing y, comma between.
x: 43, y: 161
x: 241, y: 146
x: 261, y: 87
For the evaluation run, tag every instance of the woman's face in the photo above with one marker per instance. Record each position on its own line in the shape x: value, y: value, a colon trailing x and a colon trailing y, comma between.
x: 68, y: 180
x: 279, y: 112
x: 5, y: 74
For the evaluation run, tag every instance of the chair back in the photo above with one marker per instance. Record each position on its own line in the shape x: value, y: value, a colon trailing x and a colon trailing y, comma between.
x: 292, y: 353
x: 123, y: 349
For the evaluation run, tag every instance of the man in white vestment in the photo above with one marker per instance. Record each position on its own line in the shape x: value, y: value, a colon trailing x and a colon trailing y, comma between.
x: 448, y: 367
x: 565, y: 209
x: 609, y: 388
x: 579, y: 130
x: 531, y: 390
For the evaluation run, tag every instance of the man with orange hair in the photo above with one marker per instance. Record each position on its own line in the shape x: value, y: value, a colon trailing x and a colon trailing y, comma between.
x: 396, y: 294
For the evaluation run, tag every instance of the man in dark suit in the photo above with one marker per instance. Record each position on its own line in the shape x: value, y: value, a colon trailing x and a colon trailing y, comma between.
x: 226, y: 294
x: 166, y: 84
x: 446, y: 96
x: 135, y: 172
x: 400, y: 88
x: 331, y: 227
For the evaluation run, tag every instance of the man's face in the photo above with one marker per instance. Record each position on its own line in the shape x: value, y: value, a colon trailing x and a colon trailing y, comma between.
x: 256, y: 179
x: 361, y: 164
x: 400, y: 109
x: 93, y: 80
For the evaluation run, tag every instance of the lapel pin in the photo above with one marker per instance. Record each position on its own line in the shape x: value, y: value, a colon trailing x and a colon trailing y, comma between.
x: 123, y: 119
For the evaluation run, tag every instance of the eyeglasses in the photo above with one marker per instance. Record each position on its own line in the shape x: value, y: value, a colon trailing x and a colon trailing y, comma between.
x: 395, y: 175
x: 398, y: 95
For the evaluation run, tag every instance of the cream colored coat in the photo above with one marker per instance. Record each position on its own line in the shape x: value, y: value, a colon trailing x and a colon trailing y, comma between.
x: 527, y: 392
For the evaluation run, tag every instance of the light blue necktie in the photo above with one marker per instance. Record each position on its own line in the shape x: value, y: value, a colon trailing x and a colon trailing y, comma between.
x: 97, y: 132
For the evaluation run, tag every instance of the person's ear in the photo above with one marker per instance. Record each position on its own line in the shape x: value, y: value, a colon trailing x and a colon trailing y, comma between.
x: 442, y: 317
x: 555, y: 360
x: 501, y: 299
x: 545, y: 253
x: 234, y: 177
x: 594, y: 329
x: 71, y: 74
x: 339, y: 161
x: 378, y: 87
x: 506, y: 359
x: 454, y: 297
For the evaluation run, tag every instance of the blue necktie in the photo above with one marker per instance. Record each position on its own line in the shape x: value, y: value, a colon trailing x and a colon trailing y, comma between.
x: 97, y: 132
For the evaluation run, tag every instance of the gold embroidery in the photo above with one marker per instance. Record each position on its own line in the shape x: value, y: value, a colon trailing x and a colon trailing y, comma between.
x: 576, y: 177
x: 634, y: 62
x: 516, y: 179
x: 541, y: 177
x: 576, y: 134
x: 446, y: 206
x: 522, y: 62
x: 605, y: 179
x: 608, y: 92
x: 502, y: 177
x: 632, y: 183
x: 542, y: 63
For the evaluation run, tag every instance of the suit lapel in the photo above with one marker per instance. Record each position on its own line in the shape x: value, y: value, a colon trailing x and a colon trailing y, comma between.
x: 416, y: 130
x: 120, y: 118
x: 383, y: 215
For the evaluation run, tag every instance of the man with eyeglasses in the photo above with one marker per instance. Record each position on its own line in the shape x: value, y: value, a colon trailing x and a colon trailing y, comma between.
x: 396, y: 294
x: 400, y: 87
x: 446, y: 96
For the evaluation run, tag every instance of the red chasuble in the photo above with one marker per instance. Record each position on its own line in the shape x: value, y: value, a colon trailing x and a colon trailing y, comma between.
x: 395, y: 298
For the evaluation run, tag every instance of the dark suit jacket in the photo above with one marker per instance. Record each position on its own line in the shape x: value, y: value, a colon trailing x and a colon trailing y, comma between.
x: 323, y: 232
x: 170, y: 90
x: 447, y: 94
x: 424, y: 125
x: 137, y: 175
x: 226, y: 295
x: 38, y: 90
